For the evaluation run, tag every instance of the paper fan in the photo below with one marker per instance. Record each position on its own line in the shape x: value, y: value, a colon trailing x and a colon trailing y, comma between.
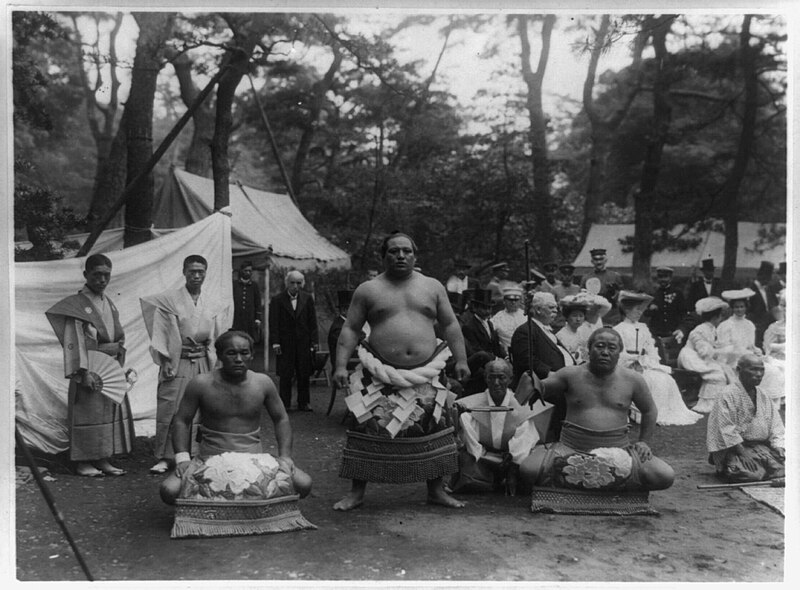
x: 593, y: 285
x: 113, y: 384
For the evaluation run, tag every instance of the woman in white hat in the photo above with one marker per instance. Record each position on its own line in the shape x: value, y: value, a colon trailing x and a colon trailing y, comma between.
x: 704, y: 353
x: 740, y: 333
x: 640, y: 354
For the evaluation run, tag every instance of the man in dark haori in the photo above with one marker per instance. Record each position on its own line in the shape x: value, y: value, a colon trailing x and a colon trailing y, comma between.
x: 87, y: 324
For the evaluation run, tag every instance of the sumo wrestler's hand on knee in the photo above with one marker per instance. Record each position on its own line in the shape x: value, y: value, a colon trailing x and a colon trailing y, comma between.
x: 643, y: 451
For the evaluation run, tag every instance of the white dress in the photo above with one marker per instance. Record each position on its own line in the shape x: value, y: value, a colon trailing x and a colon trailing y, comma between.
x: 705, y: 355
x: 774, y: 381
x: 640, y: 354
x: 576, y: 342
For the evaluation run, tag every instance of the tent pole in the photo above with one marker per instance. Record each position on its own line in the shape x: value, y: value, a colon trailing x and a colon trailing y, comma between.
x: 266, y: 317
x: 274, y: 145
x: 151, y: 163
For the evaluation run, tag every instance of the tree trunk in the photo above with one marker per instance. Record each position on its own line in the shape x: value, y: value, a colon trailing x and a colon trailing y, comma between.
x: 747, y: 59
x: 662, y: 115
x: 247, y: 30
x: 537, y: 134
x: 109, y: 178
x: 198, y: 155
x: 154, y: 30
x: 602, y: 129
x: 318, y: 91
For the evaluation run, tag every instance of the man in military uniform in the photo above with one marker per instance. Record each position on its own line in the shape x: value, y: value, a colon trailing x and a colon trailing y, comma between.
x: 667, y: 311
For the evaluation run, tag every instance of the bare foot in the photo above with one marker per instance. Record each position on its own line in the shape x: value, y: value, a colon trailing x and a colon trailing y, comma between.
x: 160, y: 468
x: 351, y: 501
x: 354, y: 498
x: 87, y: 470
x: 438, y: 495
x: 107, y: 468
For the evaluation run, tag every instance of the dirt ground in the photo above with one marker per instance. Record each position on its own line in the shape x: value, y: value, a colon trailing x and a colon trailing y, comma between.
x: 122, y: 528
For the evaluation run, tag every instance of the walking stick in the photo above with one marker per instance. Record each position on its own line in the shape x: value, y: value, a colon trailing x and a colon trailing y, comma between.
x: 536, y: 394
x: 50, y: 502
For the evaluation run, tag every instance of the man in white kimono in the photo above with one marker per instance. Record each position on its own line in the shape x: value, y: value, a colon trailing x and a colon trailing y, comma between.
x: 87, y: 322
x: 497, y: 434
x: 182, y: 324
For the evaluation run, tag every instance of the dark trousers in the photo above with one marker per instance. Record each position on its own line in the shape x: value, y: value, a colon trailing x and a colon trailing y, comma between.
x: 303, y: 387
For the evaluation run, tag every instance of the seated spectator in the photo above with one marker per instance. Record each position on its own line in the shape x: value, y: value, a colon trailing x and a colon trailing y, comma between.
x: 510, y: 318
x: 705, y: 355
x: 571, y: 336
x: 745, y: 434
x: 775, y: 352
x: 640, y: 354
x: 740, y: 333
x: 497, y: 434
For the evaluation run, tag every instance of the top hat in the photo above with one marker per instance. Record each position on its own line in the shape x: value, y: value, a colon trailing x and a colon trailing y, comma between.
x: 664, y: 271
x: 597, y: 252
x: 566, y: 268
x: 707, y: 264
x: 455, y: 299
x: 766, y: 268
x: 344, y: 297
x: 550, y: 266
x: 481, y: 297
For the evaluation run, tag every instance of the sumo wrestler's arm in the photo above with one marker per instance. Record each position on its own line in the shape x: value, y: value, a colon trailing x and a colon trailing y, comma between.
x: 452, y: 332
x: 182, y: 423
x: 280, y: 420
x: 644, y: 402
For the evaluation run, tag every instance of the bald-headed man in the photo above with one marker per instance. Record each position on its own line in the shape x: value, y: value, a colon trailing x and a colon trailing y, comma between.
x: 498, y: 434
x: 745, y: 435
x: 294, y: 339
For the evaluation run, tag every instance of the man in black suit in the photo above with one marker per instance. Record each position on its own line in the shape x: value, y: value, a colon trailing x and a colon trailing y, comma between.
x: 479, y: 333
x: 293, y: 337
x: 480, y: 338
x: 545, y: 355
x: 706, y: 286
x: 762, y: 303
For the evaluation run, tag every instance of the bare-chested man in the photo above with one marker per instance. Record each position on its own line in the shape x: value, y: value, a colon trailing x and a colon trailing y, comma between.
x: 401, y: 306
x: 598, y: 396
x: 230, y: 400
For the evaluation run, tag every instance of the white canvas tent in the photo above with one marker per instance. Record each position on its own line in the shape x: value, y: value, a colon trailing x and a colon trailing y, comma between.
x: 712, y: 244
x: 262, y: 222
x: 41, y: 401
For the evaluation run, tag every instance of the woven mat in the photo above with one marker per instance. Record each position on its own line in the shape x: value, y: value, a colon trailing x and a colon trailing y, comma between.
x: 772, y: 497
x: 566, y: 501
